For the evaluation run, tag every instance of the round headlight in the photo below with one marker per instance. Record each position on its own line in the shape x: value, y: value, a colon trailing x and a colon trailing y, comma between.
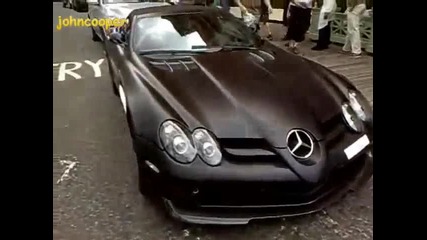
x: 356, y: 105
x: 176, y: 142
x: 207, y: 147
x: 351, y: 119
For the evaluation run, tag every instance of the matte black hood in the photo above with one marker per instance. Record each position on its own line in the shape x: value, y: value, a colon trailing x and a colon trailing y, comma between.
x: 244, y: 94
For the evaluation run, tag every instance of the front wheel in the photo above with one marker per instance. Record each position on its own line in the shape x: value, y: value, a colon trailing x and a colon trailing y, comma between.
x: 115, y: 91
x: 95, y: 37
x: 113, y: 85
x: 145, y: 181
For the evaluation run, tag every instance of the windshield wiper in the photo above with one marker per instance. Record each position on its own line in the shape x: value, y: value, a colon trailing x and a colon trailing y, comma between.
x: 169, y: 51
x: 237, y: 47
x: 197, y: 50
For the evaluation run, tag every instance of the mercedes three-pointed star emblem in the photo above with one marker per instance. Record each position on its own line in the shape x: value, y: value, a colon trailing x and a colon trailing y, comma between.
x: 300, y: 144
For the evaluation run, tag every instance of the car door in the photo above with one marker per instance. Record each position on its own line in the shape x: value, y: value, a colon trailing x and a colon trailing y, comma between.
x: 116, y: 54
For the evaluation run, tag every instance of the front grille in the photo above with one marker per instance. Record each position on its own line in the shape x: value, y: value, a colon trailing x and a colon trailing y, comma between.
x: 250, y: 150
x: 239, y: 196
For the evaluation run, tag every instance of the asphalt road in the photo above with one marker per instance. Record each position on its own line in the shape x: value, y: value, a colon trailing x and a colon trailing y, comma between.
x: 99, y: 197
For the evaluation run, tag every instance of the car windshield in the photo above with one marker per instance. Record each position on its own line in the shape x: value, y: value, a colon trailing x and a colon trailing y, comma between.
x: 198, y: 31
x: 131, y: 1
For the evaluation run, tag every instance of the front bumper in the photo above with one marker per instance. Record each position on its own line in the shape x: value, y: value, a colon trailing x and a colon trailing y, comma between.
x: 238, y: 193
x: 283, y: 204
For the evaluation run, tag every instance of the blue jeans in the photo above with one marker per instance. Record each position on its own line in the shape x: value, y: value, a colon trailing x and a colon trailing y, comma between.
x: 225, y: 4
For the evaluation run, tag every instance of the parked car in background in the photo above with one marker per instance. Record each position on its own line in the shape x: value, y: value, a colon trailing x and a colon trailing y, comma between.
x: 79, y: 5
x: 67, y: 3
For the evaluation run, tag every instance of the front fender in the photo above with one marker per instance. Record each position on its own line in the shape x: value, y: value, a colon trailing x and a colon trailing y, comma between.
x: 146, y: 106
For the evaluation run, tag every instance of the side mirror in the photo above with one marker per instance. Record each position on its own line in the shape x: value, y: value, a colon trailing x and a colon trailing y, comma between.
x: 116, y: 38
x: 81, y: 6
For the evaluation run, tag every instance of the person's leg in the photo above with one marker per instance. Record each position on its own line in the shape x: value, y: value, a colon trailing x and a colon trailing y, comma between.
x: 352, y: 42
x: 225, y: 5
x: 356, y: 46
x: 290, y: 34
x: 242, y: 8
x: 264, y: 21
x: 265, y: 18
x: 301, y: 26
x: 267, y: 28
x: 347, y: 43
x: 292, y: 44
x: 328, y: 34
x: 286, y: 17
x: 324, y: 38
x: 285, y: 12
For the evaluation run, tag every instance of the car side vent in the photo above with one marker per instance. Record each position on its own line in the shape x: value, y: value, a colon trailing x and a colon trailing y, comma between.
x: 262, y: 56
x: 172, y: 65
x: 257, y: 57
x: 266, y: 55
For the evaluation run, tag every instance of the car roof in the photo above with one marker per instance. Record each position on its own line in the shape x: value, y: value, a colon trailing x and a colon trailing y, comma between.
x: 169, y: 9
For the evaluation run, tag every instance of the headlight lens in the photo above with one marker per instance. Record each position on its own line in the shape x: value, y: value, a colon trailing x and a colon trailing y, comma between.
x: 176, y: 142
x: 351, y: 119
x: 207, y: 147
x: 357, y: 106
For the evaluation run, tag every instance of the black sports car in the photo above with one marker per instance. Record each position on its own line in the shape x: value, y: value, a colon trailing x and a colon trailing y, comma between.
x: 227, y: 127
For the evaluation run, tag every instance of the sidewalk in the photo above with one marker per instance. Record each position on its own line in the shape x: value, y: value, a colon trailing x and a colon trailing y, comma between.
x: 358, y: 70
x: 277, y: 14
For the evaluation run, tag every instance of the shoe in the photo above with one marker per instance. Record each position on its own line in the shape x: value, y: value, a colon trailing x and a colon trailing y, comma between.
x: 295, y: 50
x: 319, y: 48
x: 356, y: 55
x: 270, y: 37
x: 345, y: 52
x: 286, y: 44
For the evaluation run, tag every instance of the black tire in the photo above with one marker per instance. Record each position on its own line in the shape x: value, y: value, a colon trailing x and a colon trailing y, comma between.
x: 145, y: 180
x: 130, y: 123
x: 95, y: 37
x: 115, y: 90
x: 64, y: 4
x: 146, y: 184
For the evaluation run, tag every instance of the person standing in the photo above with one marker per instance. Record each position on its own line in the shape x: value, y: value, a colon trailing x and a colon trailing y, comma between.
x: 324, y: 25
x: 225, y: 5
x: 285, y: 17
x: 355, y: 10
x: 298, y: 22
x: 259, y: 8
x: 285, y: 12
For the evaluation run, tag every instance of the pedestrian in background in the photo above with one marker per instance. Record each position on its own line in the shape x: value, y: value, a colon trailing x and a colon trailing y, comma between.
x: 258, y: 8
x: 298, y: 22
x: 225, y: 5
x: 285, y: 17
x: 355, y: 10
x: 324, y: 25
x: 285, y: 12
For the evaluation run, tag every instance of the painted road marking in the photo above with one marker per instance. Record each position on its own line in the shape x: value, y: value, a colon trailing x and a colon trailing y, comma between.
x: 71, y: 69
x: 95, y: 66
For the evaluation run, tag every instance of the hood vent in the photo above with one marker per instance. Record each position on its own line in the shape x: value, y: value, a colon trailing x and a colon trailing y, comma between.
x: 171, y: 65
x: 262, y: 56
